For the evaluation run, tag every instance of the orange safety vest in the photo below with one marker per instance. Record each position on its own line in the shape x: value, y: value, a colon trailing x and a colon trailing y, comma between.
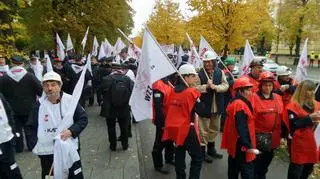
x: 303, y: 144
x: 230, y: 134
x: 165, y: 89
x: 178, y: 119
x: 267, y: 116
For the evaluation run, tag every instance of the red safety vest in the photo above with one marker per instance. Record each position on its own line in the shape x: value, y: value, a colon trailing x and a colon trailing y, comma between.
x: 165, y: 89
x: 286, y: 97
x: 303, y: 144
x: 267, y: 115
x: 255, y: 83
x: 178, y: 120
x: 230, y: 134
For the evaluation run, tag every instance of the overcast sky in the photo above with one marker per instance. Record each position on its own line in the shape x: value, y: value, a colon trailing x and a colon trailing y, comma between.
x: 144, y: 9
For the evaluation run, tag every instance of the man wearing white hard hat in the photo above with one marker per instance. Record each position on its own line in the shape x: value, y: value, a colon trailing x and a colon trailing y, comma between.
x: 46, y: 118
x: 285, y: 85
x: 181, y: 123
x: 209, y: 123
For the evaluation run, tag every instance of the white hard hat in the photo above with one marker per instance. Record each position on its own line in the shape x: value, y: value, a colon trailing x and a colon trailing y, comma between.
x: 187, y: 69
x: 209, y: 55
x: 51, y: 76
x: 283, y: 70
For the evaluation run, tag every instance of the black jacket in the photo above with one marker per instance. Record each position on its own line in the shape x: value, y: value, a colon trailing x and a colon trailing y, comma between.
x: 80, y: 121
x: 21, y: 95
x: 107, y: 110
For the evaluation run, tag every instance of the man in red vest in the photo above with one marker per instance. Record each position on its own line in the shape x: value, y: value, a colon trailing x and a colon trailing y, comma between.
x: 161, y: 91
x: 181, y: 122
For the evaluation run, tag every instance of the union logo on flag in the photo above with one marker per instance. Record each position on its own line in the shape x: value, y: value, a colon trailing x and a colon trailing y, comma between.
x: 46, y: 118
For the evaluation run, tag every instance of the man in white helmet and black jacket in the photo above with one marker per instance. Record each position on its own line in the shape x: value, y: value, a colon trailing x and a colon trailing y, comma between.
x: 8, y: 165
x: 45, y: 119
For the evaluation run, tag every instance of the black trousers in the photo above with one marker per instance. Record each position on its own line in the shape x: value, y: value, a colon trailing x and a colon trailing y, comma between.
x: 191, y: 145
x: 297, y: 171
x: 20, y: 124
x: 8, y: 166
x: 158, y: 147
x: 75, y: 172
x: 262, y: 163
x: 123, y: 123
x: 92, y: 94
x: 240, y: 165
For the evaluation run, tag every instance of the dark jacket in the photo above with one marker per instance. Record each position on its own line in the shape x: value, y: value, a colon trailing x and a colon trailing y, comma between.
x: 107, y: 109
x: 207, y: 98
x: 80, y: 121
x: 21, y: 95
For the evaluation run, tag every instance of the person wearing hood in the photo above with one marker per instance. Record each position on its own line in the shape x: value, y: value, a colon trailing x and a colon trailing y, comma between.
x: 36, y: 68
x: 21, y: 89
x: 8, y: 165
x: 4, y: 68
x: 77, y: 68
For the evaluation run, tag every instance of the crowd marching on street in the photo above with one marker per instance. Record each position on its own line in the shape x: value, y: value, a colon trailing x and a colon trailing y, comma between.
x: 43, y: 101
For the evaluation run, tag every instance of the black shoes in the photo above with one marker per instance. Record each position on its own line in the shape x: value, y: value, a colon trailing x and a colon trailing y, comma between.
x: 211, y: 151
x: 206, y: 157
x: 163, y: 170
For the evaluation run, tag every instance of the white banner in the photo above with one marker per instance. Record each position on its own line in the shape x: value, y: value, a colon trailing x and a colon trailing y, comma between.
x: 95, y: 46
x: 69, y: 43
x: 301, y: 72
x: 153, y: 66
x: 247, y: 59
x: 84, y: 40
x: 60, y: 48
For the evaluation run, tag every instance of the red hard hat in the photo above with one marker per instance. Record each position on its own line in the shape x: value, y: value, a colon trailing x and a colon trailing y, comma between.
x: 267, y: 76
x: 242, y: 83
x: 57, y: 59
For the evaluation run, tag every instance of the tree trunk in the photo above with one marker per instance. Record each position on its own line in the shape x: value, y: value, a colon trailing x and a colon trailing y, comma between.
x: 290, y: 48
x: 262, y: 44
x: 225, y: 50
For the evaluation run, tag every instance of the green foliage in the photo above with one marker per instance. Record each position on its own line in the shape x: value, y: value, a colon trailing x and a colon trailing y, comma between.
x: 44, y: 18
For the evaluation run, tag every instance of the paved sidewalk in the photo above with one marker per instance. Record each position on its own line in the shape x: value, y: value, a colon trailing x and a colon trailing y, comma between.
x: 97, y: 160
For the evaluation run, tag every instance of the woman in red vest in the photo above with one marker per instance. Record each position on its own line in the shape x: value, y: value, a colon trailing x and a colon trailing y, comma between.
x: 267, y: 114
x: 238, y: 136
x: 302, y: 116
x: 181, y: 124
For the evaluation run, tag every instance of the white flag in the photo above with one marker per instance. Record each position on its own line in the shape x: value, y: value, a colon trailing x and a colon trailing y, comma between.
x: 88, y: 64
x: 168, y: 49
x: 153, y: 66
x: 108, y: 48
x: 118, y: 46
x: 95, y: 47
x: 60, y: 48
x: 205, y: 46
x: 69, y: 43
x: 84, y: 40
x: 301, y: 72
x: 247, y: 59
x: 180, y: 54
x: 48, y: 62
x: 134, y: 51
x: 102, y: 51
x: 194, y: 57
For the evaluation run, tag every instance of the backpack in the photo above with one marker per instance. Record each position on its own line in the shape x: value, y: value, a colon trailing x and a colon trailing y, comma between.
x: 120, y: 91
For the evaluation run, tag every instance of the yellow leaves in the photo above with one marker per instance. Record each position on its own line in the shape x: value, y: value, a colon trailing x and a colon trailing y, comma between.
x: 3, y: 7
x: 166, y: 23
x: 226, y: 24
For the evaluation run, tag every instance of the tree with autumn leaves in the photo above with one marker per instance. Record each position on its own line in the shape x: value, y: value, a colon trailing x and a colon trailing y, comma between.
x: 225, y: 24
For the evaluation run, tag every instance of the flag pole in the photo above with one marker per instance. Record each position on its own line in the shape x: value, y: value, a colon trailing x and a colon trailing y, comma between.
x: 125, y: 36
x: 219, y: 58
x: 184, y: 81
x: 205, y: 72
